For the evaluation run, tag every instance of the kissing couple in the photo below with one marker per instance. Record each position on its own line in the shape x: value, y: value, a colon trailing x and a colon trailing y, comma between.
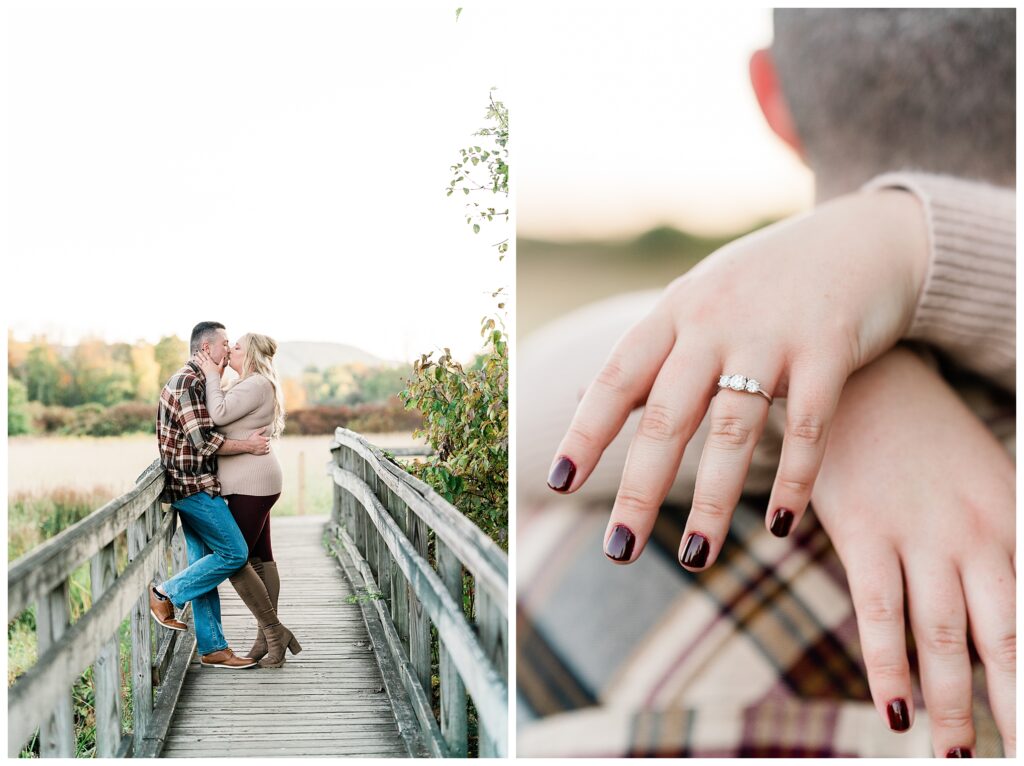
x: 222, y: 477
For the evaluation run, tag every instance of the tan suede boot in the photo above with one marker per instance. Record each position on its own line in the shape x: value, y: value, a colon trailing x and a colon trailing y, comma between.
x: 267, y: 571
x: 254, y: 593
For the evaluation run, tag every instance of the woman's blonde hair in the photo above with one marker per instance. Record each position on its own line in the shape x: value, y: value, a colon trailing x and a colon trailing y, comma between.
x: 259, y: 360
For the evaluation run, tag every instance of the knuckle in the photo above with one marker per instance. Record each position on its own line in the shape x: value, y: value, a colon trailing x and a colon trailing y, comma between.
x: 951, y: 717
x: 659, y: 422
x: 582, y: 436
x: 944, y: 640
x: 795, y: 486
x: 729, y: 431
x: 711, y: 507
x: 885, y: 665
x: 806, y: 429
x: 1000, y: 653
x: 879, y: 608
x: 636, y: 501
x: 613, y: 377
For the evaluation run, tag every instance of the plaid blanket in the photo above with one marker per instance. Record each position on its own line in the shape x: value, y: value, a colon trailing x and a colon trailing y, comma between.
x: 757, y: 656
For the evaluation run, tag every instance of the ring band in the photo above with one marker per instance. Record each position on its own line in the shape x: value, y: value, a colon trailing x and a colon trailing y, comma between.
x: 742, y: 383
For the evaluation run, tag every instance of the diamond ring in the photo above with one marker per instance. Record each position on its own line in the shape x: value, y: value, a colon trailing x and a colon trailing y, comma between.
x: 741, y: 383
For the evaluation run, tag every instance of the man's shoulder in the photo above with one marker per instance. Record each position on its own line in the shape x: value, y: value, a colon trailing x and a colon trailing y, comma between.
x: 185, y: 378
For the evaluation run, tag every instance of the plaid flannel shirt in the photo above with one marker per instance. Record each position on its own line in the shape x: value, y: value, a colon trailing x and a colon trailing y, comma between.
x: 184, y: 430
x: 757, y: 656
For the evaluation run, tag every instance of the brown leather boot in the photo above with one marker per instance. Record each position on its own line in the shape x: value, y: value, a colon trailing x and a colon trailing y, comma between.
x: 254, y: 593
x: 163, y: 611
x: 267, y: 571
x: 226, y: 658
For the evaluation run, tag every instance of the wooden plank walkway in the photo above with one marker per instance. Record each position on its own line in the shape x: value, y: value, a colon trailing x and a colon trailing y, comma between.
x: 329, y: 700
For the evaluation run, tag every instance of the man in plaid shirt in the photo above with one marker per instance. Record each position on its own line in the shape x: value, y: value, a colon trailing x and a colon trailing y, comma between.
x: 189, y: 446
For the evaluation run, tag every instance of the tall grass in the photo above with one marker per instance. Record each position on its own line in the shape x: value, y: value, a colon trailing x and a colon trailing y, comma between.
x: 32, y: 519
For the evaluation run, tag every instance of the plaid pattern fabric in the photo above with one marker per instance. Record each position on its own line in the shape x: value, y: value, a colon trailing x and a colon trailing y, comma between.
x: 757, y: 656
x: 184, y: 431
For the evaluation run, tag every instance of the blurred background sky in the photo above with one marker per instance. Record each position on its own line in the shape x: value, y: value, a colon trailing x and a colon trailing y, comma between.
x: 640, y: 115
x: 641, y: 148
x: 281, y: 171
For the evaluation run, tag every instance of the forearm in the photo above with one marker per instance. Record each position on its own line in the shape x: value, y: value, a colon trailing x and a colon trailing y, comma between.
x: 234, y: 447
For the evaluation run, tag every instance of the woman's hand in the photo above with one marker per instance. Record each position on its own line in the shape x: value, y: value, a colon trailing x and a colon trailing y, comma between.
x: 797, y: 306
x: 209, y: 367
x: 918, y: 497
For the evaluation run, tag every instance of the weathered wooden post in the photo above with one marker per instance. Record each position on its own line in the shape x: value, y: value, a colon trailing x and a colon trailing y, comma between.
x: 106, y: 672
x: 454, y: 724
x: 142, y: 674
x: 57, y: 733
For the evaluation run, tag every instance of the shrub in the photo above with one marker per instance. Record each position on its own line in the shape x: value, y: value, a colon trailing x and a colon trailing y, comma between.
x: 125, y: 418
x: 465, y: 420
x: 17, y: 407
x: 366, y: 418
x: 51, y: 420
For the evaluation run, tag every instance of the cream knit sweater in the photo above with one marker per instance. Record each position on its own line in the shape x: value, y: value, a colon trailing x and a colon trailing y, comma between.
x: 245, y: 407
x: 967, y: 308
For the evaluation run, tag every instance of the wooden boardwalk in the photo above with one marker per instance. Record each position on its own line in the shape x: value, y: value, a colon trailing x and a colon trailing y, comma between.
x: 330, y: 700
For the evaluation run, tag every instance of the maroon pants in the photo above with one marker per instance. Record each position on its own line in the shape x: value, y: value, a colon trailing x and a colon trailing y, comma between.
x: 252, y: 514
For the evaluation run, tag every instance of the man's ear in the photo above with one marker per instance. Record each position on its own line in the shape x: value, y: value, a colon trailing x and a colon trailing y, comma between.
x: 764, y: 78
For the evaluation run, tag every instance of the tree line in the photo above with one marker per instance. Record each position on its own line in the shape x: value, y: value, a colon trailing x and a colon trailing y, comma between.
x: 100, y: 389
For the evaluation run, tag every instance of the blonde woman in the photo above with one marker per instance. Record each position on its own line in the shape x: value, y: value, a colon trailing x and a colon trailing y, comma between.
x: 251, y: 484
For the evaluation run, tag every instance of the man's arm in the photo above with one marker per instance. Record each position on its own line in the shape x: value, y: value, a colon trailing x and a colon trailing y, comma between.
x: 256, y: 444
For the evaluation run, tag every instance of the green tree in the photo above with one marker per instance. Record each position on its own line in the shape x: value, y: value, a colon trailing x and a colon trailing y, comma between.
x: 171, y: 352
x: 17, y: 412
x: 465, y: 411
x: 100, y: 373
x: 379, y: 384
x: 41, y: 373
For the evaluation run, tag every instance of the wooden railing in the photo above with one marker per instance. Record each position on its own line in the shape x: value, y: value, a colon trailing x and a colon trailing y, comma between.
x: 418, y: 560
x: 41, y: 698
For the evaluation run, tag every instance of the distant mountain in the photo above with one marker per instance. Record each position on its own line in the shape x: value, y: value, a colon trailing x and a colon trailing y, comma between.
x: 296, y: 355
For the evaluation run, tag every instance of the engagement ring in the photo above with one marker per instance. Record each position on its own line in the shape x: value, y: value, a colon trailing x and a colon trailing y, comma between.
x: 741, y: 383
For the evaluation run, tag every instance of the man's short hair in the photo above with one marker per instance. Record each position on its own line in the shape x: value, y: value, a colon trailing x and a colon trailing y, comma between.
x: 873, y: 90
x: 202, y: 332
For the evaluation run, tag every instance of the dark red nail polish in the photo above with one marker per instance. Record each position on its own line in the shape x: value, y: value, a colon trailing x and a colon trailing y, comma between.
x: 695, y: 554
x: 782, y: 520
x: 620, y: 543
x: 560, y: 478
x: 959, y: 752
x: 899, y: 714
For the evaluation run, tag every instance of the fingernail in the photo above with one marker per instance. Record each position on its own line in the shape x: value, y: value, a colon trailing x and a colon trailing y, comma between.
x: 782, y: 520
x: 560, y: 478
x: 899, y: 714
x: 959, y: 752
x: 620, y: 543
x: 695, y: 554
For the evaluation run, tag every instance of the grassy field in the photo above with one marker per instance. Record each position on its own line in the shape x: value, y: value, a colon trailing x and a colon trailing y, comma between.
x: 41, y: 466
x: 553, y: 278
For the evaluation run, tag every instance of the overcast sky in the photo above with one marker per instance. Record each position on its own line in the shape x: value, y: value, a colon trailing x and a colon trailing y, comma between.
x: 634, y: 115
x: 281, y: 170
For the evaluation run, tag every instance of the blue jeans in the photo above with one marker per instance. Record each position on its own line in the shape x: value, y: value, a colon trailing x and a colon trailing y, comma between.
x: 216, y: 550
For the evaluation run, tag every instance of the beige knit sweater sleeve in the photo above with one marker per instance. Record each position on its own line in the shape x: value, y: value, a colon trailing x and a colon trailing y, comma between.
x: 967, y: 308
x: 244, y: 397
